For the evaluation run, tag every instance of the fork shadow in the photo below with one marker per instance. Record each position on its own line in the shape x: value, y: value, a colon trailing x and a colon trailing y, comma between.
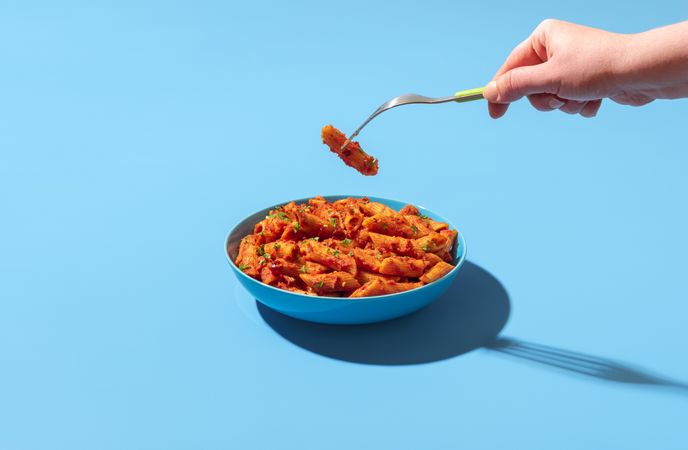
x: 583, y: 364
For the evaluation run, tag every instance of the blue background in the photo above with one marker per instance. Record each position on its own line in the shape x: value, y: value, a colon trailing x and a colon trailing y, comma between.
x: 134, y: 135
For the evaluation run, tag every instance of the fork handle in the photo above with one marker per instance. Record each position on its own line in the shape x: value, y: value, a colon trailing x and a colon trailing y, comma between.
x: 469, y: 95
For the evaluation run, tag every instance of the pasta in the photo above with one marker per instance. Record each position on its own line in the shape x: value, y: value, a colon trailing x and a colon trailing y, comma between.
x: 352, y: 155
x: 348, y: 248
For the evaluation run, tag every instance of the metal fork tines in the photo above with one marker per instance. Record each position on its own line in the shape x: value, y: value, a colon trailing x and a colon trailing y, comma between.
x: 408, y: 99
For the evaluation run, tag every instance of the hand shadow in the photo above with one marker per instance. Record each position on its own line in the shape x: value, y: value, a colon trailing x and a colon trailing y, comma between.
x: 469, y: 315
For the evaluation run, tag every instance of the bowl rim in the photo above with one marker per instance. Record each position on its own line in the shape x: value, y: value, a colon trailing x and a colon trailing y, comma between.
x: 460, y: 259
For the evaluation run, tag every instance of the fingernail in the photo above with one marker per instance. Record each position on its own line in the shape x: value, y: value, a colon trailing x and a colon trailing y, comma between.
x: 555, y: 103
x: 490, y: 92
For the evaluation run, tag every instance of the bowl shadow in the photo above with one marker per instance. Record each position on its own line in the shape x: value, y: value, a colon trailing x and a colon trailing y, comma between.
x: 469, y: 315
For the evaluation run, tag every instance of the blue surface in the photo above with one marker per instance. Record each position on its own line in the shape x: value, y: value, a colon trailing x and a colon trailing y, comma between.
x: 343, y: 311
x: 134, y: 135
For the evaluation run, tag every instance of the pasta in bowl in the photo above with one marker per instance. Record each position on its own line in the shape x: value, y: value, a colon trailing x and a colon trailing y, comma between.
x: 345, y: 259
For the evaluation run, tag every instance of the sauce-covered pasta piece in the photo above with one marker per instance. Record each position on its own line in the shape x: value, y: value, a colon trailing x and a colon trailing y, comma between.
x: 352, y: 155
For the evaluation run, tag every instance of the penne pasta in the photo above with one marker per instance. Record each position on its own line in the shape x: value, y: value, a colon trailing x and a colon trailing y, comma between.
x: 269, y: 229
x: 395, y: 244
x: 368, y: 259
x: 432, y: 243
x: 391, y: 225
x: 248, y: 259
x: 331, y: 282
x: 431, y: 259
x: 402, y: 266
x: 312, y: 250
x: 383, y: 287
x: 373, y: 208
x: 363, y: 276
x: 409, y: 210
x: 419, y: 226
x: 436, y: 272
x: 348, y: 248
x: 312, y: 225
x: 281, y: 249
x: 352, y: 155
x: 268, y: 276
x: 451, y: 237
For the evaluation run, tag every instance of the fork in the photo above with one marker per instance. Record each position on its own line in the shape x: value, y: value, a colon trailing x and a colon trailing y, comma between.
x: 408, y: 99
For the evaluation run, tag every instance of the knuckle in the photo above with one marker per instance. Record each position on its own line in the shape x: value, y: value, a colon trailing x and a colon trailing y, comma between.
x: 547, y: 24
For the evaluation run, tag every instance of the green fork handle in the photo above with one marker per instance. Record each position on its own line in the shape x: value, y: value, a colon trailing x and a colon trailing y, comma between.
x: 469, y: 95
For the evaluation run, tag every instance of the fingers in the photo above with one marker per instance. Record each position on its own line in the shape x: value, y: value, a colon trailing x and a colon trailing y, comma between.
x: 572, y: 107
x: 522, y: 81
x: 546, y: 102
x: 549, y: 102
x: 632, y: 99
x: 497, y: 110
x: 590, y: 110
x: 524, y: 54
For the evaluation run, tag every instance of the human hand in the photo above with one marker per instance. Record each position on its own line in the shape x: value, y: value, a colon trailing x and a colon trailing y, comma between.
x: 573, y: 67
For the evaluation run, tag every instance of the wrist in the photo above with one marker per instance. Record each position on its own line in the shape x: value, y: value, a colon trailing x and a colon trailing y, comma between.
x: 625, y: 66
x: 654, y: 63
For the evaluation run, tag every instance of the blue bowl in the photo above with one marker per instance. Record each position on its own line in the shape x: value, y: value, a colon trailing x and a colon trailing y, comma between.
x: 337, y: 310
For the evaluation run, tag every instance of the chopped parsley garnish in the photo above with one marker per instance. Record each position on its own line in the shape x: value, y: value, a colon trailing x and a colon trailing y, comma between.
x: 303, y: 269
x: 243, y: 267
x: 262, y: 262
x: 385, y: 225
x: 277, y: 246
x: 319, y: 284
x: 335, y: 253
x: 346, y: 241
x: 280, y: 215
x: 260, y: 233
x: 415, y: 229
x: 297, y: 226
x: 426, y: 248
x: 316, y: 238
x: 261, y: 250
x: 333, y: 221
x: 351, y: 253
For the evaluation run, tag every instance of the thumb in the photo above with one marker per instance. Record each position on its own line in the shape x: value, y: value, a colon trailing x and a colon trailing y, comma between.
x: 522, y: 81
